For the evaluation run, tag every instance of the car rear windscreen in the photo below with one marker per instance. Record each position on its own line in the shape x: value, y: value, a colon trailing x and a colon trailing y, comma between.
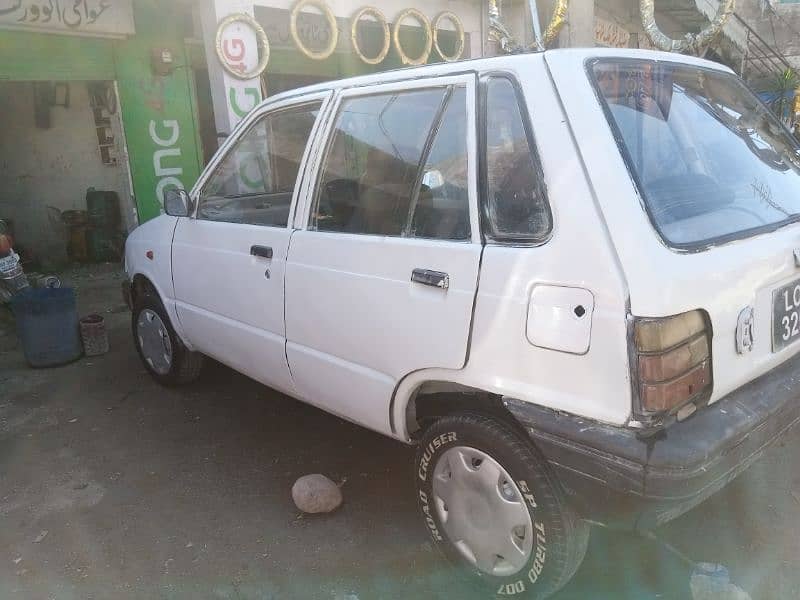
x: 712, y: 163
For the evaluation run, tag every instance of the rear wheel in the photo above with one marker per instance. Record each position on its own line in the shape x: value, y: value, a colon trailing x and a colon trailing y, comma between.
x: 166, y: 358
x: 493, y: 507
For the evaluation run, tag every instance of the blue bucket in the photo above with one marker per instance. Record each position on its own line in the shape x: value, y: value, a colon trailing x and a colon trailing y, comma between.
x: 47, y: 326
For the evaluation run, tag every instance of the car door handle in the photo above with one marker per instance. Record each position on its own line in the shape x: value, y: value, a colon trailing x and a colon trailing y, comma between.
x: 262, y: 251
x: 432, y: 278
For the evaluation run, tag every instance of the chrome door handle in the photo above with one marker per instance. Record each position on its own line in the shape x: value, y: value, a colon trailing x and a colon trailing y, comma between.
x: 432, y: 278
x: 262, y: 251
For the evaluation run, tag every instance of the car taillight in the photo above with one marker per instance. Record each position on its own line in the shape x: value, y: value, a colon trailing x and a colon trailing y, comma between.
x: 673, y: 361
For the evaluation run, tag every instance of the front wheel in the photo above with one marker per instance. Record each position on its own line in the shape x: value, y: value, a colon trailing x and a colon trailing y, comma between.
x: 167, y: 360
x: 493, y: 507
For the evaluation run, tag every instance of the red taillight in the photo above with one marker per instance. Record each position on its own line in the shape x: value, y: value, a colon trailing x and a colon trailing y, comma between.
x: 673, y: 362
x: 656, y: 368
x: 667, y: 395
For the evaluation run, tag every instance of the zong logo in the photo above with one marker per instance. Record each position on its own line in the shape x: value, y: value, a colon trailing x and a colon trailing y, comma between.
x: 168, y: 152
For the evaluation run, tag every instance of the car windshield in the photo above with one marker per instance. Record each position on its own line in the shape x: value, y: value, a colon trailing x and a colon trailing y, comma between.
x: 711, y: 162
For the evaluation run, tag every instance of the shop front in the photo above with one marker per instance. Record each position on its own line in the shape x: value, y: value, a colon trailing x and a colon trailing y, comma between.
x: 255, y: 49
x: 111, y: 102
x: 99, y: 114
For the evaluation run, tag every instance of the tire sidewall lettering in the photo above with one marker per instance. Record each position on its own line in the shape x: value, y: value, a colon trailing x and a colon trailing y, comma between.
x: 540, y: 552
x: 531, y: 574
x: 512, y: 589
x: 423, y: 471
x: 527, y: 493
x: 429, y: 520
x: 436, y: 444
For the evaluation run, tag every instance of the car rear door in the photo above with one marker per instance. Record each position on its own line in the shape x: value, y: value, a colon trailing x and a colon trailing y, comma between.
x: 381, y: 277
x: 229, y: 258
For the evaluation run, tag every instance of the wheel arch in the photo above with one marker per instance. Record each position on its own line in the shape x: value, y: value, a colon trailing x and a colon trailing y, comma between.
x: 141, y: 285
x: 431, y: 399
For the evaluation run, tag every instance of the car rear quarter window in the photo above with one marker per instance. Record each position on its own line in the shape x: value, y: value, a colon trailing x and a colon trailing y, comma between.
x: 516, y: 205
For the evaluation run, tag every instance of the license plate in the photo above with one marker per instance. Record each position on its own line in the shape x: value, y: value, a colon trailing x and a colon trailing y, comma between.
x: 786, y: 315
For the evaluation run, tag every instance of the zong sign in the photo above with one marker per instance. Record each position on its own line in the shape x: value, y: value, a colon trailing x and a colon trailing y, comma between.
x: 166, y: 158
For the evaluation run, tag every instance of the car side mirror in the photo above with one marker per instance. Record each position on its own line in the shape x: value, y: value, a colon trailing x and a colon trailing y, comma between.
x: 177, y: 203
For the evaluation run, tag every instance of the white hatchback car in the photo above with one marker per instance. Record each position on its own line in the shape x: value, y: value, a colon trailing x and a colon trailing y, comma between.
x: 571, y: 278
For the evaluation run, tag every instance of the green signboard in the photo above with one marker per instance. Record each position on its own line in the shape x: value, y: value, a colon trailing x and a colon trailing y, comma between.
x: 158, y: 111
x: 26, y: 56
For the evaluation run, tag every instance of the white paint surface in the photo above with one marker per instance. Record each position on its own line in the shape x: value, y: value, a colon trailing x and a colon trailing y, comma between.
x: 722, y: 280
x: 560, y: 318
x: 361, y: 338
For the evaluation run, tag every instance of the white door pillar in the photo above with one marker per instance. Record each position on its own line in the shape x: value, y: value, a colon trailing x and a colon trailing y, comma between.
x: 232, y: 97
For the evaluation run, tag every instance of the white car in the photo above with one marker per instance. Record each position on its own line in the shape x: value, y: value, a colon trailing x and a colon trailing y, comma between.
x: 572, y: 278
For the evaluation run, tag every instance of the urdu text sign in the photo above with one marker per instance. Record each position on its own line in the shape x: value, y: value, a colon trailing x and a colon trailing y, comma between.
x: 83, y: 17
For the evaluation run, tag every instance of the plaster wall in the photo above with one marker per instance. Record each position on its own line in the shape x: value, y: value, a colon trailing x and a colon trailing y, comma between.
x: 53, y: 166
x: 779, y: 27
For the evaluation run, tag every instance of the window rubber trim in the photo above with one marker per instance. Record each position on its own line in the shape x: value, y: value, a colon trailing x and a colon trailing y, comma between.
x: 423, y: 160
x: 487, y: 227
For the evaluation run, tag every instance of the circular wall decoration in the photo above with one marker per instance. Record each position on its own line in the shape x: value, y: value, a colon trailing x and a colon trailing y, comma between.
x: 234, y: 65
x: 459, y: 30
x: 387, y: 38
x: 426, y: 26
x: 329, y: 17
x: 691, y: 42
x: 556, y: 23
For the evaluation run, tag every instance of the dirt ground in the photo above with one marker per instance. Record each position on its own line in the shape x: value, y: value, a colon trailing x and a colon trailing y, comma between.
x: 114, y: 487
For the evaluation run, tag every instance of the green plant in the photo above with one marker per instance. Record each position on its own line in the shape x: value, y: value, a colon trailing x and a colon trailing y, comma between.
x: 783, y: 85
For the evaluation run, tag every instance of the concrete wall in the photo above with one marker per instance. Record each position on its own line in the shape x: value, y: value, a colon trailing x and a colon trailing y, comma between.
x: 780, y: 29
x: 625, y: 13
x: 55, y: 166
x: 579, y: 29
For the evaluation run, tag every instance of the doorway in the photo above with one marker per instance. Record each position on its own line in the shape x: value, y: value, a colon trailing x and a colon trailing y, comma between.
x: 64, y: 177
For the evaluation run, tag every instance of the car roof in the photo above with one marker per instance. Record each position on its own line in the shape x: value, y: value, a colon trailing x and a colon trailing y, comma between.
x: 479, y: 65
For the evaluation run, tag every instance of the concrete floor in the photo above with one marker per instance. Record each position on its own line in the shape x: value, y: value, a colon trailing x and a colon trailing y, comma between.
x: 146, y: 492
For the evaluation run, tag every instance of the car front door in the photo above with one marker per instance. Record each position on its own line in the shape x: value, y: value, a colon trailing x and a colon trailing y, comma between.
x: 229, y: 259
x: 381, y: 277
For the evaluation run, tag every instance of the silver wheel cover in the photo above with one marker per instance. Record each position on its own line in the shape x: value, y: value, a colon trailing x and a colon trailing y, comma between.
x: 154, y: 341
x: 482, y: 511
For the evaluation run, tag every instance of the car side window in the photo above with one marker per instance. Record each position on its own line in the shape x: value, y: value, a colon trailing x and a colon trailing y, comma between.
x: 254, y: 183
x: 396, y: 166
x: 516, y: 203
x: 441, y: 209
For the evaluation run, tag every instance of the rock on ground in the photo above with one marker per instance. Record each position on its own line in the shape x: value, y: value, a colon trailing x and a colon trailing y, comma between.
x: 316, y: 494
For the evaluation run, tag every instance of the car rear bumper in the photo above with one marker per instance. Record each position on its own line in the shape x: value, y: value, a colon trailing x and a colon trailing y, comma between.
x: 614, y: 476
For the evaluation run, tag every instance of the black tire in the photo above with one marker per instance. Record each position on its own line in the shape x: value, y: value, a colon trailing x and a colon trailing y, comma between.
x: 186, y: 365
x: 560, y: 538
